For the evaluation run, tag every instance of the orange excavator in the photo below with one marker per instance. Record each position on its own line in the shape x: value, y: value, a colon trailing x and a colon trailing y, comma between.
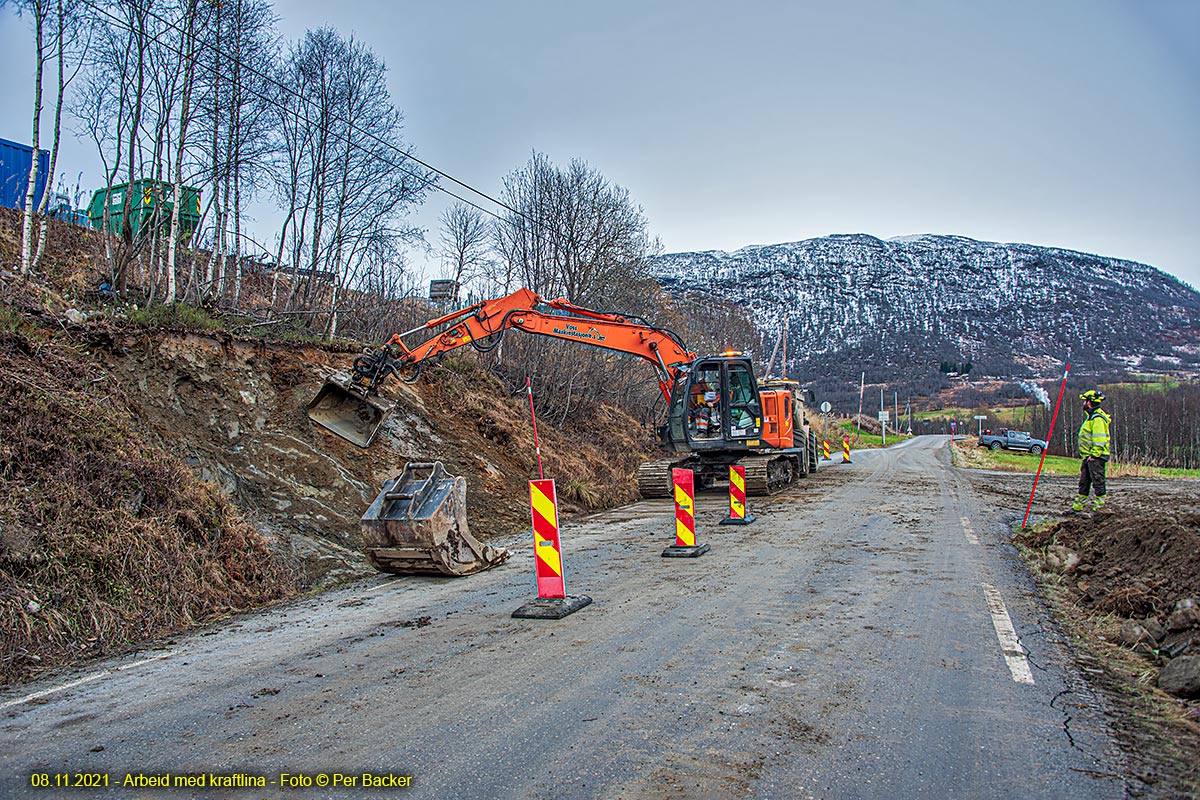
x: 717, y: 412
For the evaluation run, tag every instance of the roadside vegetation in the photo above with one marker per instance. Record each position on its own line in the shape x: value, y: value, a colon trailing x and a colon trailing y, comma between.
x: 967, y: 453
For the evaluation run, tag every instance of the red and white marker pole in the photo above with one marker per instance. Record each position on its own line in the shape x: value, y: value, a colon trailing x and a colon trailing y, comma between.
x: 537, y: 447
x: 1049, y: 439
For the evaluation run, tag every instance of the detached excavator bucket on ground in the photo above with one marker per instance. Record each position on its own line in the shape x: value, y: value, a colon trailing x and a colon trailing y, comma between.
x: 418, y: 524
x: 349, y: 412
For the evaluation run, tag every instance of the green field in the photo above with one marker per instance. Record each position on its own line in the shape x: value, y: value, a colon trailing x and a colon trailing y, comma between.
x: 1015, y: 417
x: 970, y: 455
x: 860, y: 441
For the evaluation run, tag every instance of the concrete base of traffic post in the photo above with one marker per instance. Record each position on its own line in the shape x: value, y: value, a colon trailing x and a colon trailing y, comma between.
x: 685, y: 551
x: 746, y: 520
x: 551, y: 607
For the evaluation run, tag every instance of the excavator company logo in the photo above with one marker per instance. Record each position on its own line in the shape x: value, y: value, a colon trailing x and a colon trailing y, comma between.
x: 573, y: 331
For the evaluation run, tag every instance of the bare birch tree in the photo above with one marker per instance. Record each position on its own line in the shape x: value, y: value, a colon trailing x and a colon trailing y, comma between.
x: 341, y: 170
x: 572, y: 232
x: 465, y: 239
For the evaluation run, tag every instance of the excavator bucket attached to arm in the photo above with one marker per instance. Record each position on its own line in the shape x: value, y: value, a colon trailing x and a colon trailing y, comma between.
x: 347, y: 411
x: 419, y: 525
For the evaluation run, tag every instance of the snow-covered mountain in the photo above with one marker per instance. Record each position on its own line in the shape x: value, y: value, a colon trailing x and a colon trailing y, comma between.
x: 902, y: 309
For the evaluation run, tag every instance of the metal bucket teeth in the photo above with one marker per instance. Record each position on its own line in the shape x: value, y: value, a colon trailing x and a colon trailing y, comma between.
x: 418, y: 524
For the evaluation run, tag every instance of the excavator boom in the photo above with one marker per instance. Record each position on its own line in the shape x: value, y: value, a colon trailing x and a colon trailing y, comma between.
x: 346, y: 404
x: 558, y: 319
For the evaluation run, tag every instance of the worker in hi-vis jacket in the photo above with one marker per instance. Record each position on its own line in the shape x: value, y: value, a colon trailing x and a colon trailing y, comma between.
x: 1094, y: 449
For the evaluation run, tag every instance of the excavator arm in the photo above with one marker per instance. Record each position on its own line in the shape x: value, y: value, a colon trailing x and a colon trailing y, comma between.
x: 558, y: 319
x: 346, y: 405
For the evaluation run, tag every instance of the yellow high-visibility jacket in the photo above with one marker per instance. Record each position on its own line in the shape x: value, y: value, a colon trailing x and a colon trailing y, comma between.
x: 1093, y: 435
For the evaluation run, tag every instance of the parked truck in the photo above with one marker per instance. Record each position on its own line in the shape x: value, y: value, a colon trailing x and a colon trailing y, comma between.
x: 1012, y: 440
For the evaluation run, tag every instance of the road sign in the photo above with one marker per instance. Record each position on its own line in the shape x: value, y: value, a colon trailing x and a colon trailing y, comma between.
x: 884, y: 416
x: 981, y: 416
x: 826, y: 407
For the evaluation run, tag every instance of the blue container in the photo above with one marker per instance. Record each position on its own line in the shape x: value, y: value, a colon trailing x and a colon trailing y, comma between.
x: 15, y: 162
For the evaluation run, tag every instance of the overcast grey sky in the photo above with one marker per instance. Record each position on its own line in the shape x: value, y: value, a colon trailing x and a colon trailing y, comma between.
x: 1071, y: 123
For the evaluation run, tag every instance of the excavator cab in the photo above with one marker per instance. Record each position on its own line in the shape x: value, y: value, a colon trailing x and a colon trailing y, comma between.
x: 715, y: 405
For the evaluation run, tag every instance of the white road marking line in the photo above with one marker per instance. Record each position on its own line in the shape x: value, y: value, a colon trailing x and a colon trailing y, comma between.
x: 374, y: 589
x: 1014, y: 654
x: 968, y: 531
x: 86, y: 679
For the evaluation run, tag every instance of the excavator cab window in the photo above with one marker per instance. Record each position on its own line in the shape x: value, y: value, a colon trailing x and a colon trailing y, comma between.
x: 704, y: 406
x: 745, y: 410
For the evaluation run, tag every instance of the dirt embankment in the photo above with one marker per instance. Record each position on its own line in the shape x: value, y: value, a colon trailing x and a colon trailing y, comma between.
x: 154, y: 479
x: 234, y: 410
x: 105, y: 538
x: 1124, y: 585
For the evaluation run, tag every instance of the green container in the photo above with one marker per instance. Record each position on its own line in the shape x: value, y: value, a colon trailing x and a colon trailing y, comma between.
x: 152, y: 200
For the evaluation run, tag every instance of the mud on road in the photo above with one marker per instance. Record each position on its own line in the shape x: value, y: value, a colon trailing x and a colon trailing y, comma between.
x: 842, y: 646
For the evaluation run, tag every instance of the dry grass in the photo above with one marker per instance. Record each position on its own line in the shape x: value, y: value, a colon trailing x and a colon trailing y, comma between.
x: 104, y: 541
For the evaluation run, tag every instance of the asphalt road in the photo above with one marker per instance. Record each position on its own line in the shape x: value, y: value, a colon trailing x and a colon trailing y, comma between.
x: 853, y: 642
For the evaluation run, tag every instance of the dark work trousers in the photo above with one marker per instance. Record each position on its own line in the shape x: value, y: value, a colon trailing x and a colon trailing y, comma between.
x: 1091, y: 476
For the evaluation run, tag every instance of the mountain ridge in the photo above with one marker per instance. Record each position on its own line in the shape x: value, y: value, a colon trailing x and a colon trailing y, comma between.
x: 902, y: 308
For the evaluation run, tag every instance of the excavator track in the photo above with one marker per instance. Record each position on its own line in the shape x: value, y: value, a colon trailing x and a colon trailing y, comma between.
x: 768, y: 474
x: 654, y: 477
x: 764, y: 474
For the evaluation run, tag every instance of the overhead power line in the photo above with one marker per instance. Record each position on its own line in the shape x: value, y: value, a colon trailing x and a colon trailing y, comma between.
x: 207, y: 45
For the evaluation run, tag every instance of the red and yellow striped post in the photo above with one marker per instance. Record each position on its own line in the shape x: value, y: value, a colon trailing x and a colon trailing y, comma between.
x: 547, y: 550
x: 825, y: 450
x: 552, y: 602
x: 684, y: 481
x: 845, y: 449
x: 737, y: 497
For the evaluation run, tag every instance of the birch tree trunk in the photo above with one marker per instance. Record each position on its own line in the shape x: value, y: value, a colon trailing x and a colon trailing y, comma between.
x: 189, y: 71
x: 129, y: 252
x: 58, y: 103
x: 39, y: 18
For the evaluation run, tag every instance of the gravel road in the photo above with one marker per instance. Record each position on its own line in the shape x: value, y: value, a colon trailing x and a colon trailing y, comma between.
x: 859, y: 640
